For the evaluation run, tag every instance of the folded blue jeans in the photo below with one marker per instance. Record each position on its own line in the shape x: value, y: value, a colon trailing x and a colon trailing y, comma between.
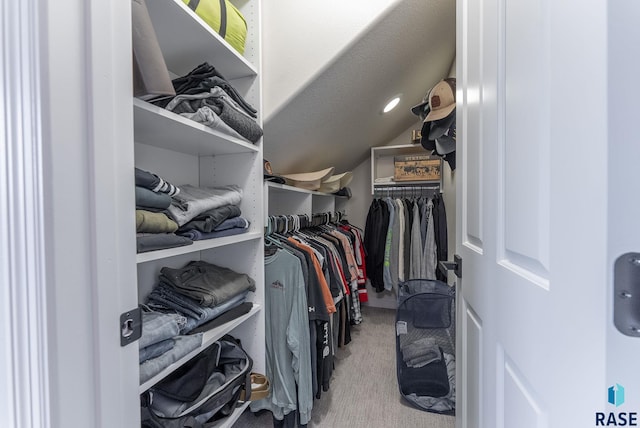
x: 155, y: 350
x: 183, y: 345
x: 158, y: 326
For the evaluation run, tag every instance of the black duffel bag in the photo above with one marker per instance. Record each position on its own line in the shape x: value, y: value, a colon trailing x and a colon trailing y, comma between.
x: 202, y: 391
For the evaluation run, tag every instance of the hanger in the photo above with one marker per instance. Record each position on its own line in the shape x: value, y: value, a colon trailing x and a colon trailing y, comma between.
x: 267, y: 226
x: 271, y: 246
x: 273, y: 241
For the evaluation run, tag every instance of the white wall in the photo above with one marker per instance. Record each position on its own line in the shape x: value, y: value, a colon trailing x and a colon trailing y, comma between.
x: 301, y: 38
x: 358, y: 207
x: 452, y: 70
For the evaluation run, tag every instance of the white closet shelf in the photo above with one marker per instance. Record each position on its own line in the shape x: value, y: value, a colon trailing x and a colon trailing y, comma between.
x: 286, y: 188
x: 162, y: 128
x: 382, y: 165
x: 205, y: 244
x: 187, y: 41
x: 233, y: 417
x: 207, y: 339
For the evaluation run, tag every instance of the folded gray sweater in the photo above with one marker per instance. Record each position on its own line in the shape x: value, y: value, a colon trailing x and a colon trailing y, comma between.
x: 218, y: 103
x: 193, y: 201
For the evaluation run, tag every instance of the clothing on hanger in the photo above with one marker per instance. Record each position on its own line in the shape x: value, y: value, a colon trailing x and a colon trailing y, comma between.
x: 330, y: 258
x: 405, y: 237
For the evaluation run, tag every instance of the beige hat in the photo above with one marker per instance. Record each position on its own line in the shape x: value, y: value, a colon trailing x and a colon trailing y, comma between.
x: 336, y: 182
x: 308, y: 180
x: 442, y: 100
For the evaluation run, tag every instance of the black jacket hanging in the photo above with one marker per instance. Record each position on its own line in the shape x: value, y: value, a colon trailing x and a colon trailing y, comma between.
x: 374, y: 242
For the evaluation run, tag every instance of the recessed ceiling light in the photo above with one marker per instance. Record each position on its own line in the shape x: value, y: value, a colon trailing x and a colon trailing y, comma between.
x: 391, y: 104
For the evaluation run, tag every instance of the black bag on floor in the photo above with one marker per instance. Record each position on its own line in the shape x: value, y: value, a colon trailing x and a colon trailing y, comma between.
x: 204, y: 390
x: 425, y: 344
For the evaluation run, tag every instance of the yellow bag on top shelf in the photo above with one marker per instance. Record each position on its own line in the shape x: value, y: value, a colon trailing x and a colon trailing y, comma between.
x: 224, y: 18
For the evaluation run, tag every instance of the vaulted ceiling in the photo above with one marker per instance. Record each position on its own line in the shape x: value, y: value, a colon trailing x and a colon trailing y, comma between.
x: 335, y: 116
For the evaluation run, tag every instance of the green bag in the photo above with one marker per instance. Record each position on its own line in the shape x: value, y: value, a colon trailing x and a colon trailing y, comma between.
x: 223, y: 18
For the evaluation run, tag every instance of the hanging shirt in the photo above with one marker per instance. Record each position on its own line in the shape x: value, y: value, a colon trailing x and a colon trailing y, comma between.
x: 288, y: 355
x: 416, y: 264
x: 408, y: 217
x: 440, y: 224
x: 400, y: 205
x: 349, y: 256
x: 326, y: 293
x: 387, y: 269
x: 395, y: 243
x: 335, y: 279
x: 315, y: 300
x: 354, y: 302
x: 374, y: 241
x: 429, y: 254
x: 360, y: 261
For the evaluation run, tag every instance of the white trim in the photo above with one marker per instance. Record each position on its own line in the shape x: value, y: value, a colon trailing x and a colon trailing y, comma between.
x: 111, y: 191
x: 24, y: 368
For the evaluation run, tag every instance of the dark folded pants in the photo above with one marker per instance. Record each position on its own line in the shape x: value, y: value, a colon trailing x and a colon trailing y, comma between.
x: 202, y: 79
x: 159, y: 241
x: 230, y: 315
x: 207, y: 283
x: 209, y: 220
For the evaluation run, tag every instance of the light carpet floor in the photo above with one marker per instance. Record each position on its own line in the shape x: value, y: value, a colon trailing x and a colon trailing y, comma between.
x: 364, y: 388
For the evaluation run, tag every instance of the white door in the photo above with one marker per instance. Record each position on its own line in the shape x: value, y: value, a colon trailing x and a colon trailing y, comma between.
x: 548, y: 155
x: 67, y: 254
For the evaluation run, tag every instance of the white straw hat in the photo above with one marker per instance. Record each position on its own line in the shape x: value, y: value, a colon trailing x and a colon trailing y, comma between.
x: 336, y: 182
x: 308, y: 180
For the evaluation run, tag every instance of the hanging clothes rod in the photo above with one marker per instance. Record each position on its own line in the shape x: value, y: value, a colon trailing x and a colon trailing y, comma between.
x: 286, y: 223
x: 407, y: 190
x: 396, y: 188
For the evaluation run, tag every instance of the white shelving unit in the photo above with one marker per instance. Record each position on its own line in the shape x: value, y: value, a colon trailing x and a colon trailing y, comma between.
x: 382, y: 164
x: 185, y: 37
x: 185, y: 152
x: 197, y: 247
x: 158, y: 127
x: 208, y: 338
x: 281, y: 199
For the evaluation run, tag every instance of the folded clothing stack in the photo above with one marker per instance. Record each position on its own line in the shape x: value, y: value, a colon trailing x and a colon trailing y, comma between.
x: 187, y: 302
x: 154, y: 228
x: 430, y: 379
x: 161, y: 343
x: 200, y: 292
x: 208, y: 212
x: 197, y: 315
x: 196, y: 201
x: 208, y: 284
x: 421, y: 352
x: 205, y: 96
x: 168, y: 216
